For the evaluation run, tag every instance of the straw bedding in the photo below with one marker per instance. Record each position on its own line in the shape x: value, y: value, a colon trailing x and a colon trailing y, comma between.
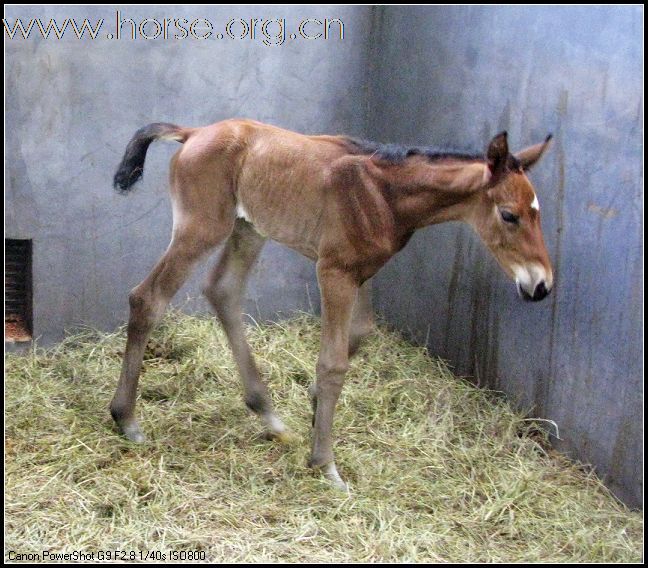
x: 439, y: 470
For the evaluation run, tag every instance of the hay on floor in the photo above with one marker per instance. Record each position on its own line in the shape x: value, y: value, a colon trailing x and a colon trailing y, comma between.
x: 439, y: 470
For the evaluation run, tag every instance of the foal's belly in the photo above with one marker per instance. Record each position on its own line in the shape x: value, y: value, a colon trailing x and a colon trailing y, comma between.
x: 283, y: 200
x: 285, y: 227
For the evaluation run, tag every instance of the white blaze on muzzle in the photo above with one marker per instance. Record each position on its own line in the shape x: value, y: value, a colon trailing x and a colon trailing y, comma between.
x: 528, y: 276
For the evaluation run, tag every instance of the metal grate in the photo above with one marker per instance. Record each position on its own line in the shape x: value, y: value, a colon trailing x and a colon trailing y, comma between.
x: 18, y: 293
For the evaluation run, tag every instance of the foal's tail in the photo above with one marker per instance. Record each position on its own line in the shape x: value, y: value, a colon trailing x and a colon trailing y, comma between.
x: 132, y: 165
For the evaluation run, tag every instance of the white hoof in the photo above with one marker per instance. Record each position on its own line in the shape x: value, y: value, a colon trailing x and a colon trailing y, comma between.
x: 333, y: 477
x: 133, y: 433
x: 276, y: 429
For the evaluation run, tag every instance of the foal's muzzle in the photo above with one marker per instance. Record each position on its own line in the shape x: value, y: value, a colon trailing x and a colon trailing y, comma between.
x: 539, y: 293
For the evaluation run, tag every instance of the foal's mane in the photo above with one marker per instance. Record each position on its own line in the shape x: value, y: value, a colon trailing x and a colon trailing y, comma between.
x: 397, y: 153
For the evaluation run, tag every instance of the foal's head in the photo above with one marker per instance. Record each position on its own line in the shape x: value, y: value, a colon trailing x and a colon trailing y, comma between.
x: 508, y: 218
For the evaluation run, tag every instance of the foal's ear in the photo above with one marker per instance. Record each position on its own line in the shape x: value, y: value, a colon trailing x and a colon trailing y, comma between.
x: 497, y: 153
x: 532, y: 154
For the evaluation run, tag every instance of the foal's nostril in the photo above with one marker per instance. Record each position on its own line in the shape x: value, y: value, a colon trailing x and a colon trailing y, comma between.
x: 540, y: 292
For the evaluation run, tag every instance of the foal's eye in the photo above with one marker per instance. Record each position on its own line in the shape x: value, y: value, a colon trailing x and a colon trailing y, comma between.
x: 509, y: 217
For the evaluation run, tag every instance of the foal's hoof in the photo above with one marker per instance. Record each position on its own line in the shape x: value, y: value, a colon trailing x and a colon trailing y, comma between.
x: 133, y: 433
x: 285, y: 438
x: 333, y: 478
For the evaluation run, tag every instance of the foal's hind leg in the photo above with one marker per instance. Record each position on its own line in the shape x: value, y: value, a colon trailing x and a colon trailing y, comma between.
x: 148, y: 301
x: 224, y: 290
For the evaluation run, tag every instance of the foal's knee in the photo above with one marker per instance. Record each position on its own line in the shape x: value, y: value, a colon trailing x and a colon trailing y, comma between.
x: 330, y: 374
x: 332, y: 366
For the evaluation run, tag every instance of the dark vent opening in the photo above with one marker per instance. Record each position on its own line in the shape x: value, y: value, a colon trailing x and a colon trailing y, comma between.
x: 18, y: 290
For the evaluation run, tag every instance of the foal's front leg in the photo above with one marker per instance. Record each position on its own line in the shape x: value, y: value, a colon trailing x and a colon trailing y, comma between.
x: 338, y: 290
x: 362, y: 318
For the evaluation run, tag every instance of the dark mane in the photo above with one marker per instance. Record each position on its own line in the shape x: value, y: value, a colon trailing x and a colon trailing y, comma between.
x: 397, y: 152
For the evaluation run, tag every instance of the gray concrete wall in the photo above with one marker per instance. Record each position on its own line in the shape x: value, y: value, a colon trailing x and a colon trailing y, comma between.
x: 458, y: 75
x: 72, y: 106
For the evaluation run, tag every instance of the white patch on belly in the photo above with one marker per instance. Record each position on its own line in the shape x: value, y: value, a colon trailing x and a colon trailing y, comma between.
x: 241, y: 213
x: 535, y: 205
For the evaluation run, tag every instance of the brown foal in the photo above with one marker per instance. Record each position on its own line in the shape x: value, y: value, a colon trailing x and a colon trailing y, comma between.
x: 347, y: 204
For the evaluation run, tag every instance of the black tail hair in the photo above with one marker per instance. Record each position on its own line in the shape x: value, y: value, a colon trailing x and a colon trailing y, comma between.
x: 132, y: 165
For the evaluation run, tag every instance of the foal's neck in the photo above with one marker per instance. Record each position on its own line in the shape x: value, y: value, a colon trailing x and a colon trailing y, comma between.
x: 423, y: 193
